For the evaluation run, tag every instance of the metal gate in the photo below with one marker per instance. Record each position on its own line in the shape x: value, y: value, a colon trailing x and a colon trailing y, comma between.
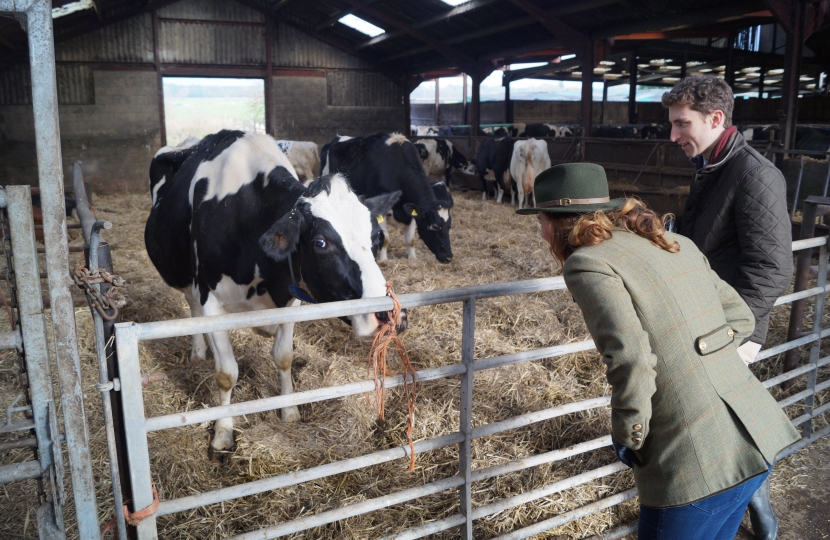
x: 128, y: 336
x: 36, y: 18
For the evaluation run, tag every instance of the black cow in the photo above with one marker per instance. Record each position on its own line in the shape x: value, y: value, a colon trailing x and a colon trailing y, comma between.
x: 383, y: 163
x: 655, y: 131
x: 615, y: 132
x: 228, y: 222
x: 494, y: 154
x: 810, y: 138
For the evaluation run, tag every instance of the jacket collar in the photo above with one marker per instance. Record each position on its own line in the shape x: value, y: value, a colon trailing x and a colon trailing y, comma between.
x: 724, y: 149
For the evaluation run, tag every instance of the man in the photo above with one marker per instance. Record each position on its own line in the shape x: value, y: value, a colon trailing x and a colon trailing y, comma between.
x: 736, y: 214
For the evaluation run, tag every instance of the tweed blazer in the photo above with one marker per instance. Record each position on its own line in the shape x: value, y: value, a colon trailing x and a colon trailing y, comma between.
x: 667, y: 328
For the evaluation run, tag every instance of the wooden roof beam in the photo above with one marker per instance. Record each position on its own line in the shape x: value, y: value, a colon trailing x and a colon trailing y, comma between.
x: 454, y: 55
x: 682, y: 21
x: 568, y: 35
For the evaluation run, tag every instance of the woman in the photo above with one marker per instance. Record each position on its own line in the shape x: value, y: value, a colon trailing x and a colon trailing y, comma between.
x: 699, y: 429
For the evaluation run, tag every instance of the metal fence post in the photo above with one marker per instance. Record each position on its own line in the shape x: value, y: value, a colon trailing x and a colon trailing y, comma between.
x: 815, y: 351
x: 38, y: 364
x: 47, y: 139
x: 126, y: 339
x: 814, y: 206
x: 468, y: 330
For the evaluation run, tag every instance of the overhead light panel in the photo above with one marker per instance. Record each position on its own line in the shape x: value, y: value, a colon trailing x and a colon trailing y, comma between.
x: 567, y: 56
x: 362, y: 26
x: 455, y: 2
x: 775, y: 72
x: 607, y: 63
x: 66, y: 9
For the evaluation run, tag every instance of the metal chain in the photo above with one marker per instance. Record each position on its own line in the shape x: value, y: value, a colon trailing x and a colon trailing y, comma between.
x: 110, y: 300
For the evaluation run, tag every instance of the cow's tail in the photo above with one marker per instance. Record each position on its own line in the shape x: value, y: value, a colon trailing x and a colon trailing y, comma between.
x: 530, y: 177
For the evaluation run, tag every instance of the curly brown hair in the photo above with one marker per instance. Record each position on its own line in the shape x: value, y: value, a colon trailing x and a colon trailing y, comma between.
x: 704, y: 94
x: 570, y: 231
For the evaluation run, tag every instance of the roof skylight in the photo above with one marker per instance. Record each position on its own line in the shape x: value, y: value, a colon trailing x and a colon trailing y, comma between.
x: 362, y: 26
x: 455, y: 2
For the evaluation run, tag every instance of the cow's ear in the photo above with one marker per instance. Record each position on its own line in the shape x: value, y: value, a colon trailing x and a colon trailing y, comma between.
x: 412, y: 210
x: 282, y: 237
x: 382, y: 204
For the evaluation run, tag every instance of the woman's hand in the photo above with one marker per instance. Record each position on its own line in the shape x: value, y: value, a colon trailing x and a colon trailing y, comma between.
x: 626, y: 455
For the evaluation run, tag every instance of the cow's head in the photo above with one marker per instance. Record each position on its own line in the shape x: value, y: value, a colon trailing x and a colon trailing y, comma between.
x: 332, y: 232
x: 379, y: 207
x: 434, y: 221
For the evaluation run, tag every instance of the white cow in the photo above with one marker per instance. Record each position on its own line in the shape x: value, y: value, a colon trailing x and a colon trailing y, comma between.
x: 529, y: 158
x: 304, y: 156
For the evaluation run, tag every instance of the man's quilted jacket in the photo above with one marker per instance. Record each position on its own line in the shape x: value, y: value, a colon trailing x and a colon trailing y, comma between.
x: 736, y: 214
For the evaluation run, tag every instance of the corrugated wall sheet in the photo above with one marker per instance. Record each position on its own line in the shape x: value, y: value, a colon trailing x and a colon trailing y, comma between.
x: 293, y: 48
x: 130, y: 40
x: 197, y: 43
x: 360, y: 89
x: 75, y: 85
x: 211, y: 10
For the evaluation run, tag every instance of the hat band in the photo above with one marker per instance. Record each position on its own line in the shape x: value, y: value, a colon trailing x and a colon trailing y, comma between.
x: 568, y: 202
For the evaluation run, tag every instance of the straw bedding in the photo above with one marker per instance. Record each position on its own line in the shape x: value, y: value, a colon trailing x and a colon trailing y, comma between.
x: 490, y: 244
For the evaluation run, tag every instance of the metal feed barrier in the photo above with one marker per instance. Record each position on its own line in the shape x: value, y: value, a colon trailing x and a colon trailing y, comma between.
x: 128, y: 336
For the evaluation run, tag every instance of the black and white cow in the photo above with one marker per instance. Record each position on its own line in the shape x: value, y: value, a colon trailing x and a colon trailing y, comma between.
x: 230, y: 218
x: 495, y: 154
x: 324, y: 152
x: 383, y: 163
x: 440, y: 156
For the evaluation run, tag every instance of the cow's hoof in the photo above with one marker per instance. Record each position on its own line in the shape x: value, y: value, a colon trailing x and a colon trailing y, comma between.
x: 290, y: 414
x: 217, y: 456
x: 222, y: 439
x: 484, y: 196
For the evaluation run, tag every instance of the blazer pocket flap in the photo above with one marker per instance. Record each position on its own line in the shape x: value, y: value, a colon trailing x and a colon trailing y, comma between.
x: 715, y: 340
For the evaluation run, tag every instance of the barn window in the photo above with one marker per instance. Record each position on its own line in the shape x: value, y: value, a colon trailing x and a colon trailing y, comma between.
x: 362, y: 26
x: 195, y: 106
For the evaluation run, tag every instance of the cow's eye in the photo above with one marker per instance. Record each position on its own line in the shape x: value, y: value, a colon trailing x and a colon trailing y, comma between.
x: 320, y: 243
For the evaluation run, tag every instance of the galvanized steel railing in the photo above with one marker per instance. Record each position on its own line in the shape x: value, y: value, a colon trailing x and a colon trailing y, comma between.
x: 128, y: 335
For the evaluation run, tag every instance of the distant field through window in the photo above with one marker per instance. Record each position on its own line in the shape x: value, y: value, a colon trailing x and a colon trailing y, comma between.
x: 201, y: 106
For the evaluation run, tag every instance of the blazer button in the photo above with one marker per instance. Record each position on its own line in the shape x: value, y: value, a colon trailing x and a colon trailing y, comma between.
x: 637, y: 434
x: 702, y: 345
x: 730, y: 333
x: 637, y: 426
x: 637, y: 440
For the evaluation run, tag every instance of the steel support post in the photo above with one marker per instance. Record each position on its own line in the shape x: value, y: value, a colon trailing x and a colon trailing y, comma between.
x: 468, y: 330
x: 407, y: 107
x: 815, y: 350
x: 126, y: 339
x: 792, y: 71
x: 475, y: 105
x: 632, y: 88
x: 38, y: 364
x: 729, y: 76
x: 269, y: 77
x: 508, y: 106
x: 159, y: 80
x: 587, y: 105
x: 802, y: 275
x: 47, y: 138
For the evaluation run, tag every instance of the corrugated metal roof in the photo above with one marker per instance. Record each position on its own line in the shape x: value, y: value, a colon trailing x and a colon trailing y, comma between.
x: 309, y: 35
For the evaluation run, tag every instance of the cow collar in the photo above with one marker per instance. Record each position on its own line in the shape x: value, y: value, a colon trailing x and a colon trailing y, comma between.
x: 294, y: 290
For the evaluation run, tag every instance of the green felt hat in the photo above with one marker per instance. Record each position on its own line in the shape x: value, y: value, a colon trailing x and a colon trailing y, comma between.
x: 573, y: 188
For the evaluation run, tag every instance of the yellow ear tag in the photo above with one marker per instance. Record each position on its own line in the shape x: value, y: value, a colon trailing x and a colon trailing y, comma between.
x: 380, y: 219
x: 413, y: 213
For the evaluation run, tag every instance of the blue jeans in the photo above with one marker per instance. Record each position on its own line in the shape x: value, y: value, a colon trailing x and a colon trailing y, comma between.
x: 714, y: 518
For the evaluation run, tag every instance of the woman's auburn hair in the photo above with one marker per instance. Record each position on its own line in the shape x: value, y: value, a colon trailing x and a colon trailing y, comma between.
x: 570, y: 231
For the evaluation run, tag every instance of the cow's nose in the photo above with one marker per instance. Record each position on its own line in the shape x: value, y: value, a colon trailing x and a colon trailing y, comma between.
x: 402, y: 322
x: 382, y: 317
